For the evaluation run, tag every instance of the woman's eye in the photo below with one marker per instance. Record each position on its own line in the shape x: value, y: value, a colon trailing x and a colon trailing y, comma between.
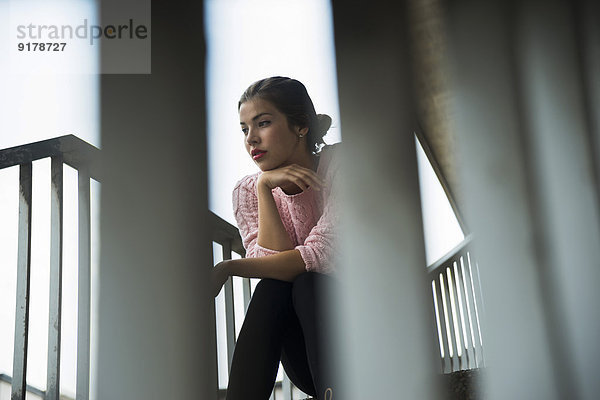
x: 263, y: 123
x: 245, y: 131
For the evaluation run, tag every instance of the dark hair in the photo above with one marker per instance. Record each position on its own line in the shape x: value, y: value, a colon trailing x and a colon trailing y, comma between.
x: 290, y: 97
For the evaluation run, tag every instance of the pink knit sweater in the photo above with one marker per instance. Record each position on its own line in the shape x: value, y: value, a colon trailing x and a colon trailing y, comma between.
x: 309, y: 217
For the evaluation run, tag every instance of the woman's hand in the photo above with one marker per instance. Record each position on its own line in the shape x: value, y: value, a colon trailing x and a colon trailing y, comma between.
x: 218, y: 276
x: 291, y: 177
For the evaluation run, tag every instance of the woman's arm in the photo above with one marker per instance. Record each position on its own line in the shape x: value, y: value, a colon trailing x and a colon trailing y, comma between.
x: 271, y: 232
x: 267, y: 232
x: 248, y: 210
x: 284, y: 266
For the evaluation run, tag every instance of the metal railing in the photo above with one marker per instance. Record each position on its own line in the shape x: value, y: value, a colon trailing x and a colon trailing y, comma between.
x: 227, y: 235
x: 454, y: 279
x: 30, y: 389
x: 458, y: 309
x: 83, y: 157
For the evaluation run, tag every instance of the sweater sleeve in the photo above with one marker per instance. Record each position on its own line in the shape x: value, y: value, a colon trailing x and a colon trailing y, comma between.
x: 245, y: 211
x: 319, y: 248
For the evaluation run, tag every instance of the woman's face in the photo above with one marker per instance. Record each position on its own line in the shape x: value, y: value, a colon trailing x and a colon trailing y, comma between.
x: 268, y: 138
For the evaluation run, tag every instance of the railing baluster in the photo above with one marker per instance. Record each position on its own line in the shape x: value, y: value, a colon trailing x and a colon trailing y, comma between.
x: 229, y: 307
x: 247, y: 289
x: 469, y: 302
x: 23, y: 285
x: 440, y: 323
x: 449, y: 331
x: 462, y: 310
x: 454, y: 328
x: 56, y: 239
x: 476, y: 288
x: 455, y: 317
x: 213, y: 338
x: 84, y: 290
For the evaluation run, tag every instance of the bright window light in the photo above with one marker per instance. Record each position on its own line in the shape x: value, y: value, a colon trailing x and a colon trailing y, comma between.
x: 441, y: 228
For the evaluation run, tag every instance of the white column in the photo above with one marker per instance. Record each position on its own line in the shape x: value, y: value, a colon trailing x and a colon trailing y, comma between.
x: 527, y: 167
x: 386, y: 321
x: 154, y: 305
x: 559, y: 123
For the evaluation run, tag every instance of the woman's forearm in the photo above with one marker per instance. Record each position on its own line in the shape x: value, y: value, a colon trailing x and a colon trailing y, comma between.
x: 284, y: 266
x: 271, y: 232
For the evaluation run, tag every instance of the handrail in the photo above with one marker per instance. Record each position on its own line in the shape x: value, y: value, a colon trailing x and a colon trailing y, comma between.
x: 30, y: 389
x: 446, y: 258
x: 75, y: 152
x: 225, y: 233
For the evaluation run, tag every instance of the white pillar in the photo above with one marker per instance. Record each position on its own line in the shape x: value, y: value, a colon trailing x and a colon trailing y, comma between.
x: 559, y: 125
x: 386, y: 323
x: 154, y: 306
x: 531, y: 197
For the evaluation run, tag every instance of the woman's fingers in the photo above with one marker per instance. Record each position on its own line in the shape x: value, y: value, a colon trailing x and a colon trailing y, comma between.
x: 300, y: 183
x: 294, y: 174
x: 299, y: 180
x: 309, y: 181
x: 218, y: 278
x: 309, y: 177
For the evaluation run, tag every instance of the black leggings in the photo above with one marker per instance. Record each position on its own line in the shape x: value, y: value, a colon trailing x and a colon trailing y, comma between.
x: 285, y: 321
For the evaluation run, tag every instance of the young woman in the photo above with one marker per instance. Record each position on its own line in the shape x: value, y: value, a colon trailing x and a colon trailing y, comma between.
x: 286, y: 216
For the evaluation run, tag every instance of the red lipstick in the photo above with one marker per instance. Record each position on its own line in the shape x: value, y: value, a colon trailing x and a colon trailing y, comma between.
x: 256, y: 154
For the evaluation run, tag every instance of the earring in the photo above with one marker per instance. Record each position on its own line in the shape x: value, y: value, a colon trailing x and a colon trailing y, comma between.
x: 300, y: 136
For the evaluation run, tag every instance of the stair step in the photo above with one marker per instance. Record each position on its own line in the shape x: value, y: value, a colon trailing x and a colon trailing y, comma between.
x: 463, y: 385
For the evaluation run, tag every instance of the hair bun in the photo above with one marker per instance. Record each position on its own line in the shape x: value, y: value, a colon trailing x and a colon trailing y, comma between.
x: 324, y: 122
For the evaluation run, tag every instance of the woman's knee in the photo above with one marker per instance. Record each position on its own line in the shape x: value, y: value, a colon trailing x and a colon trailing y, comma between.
x: 305, y: 279
x: 270, y: 291
x: 311, y: 288
x: 271, y: 286
x: 270, y: 303
x: 304, y: 286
